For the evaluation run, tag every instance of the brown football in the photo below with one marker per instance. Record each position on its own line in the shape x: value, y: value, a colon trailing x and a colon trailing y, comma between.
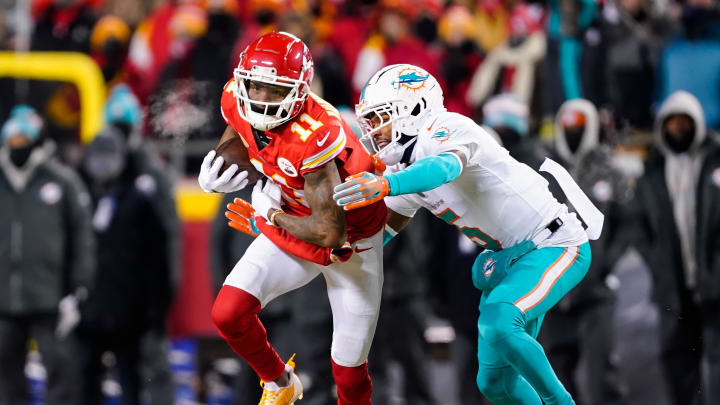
x: 234, y: 152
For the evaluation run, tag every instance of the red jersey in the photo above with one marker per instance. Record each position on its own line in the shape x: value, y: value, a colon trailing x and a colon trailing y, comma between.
x: 316, y: 136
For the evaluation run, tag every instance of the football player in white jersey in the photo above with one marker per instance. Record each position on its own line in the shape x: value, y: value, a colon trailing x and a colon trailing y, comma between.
x: 535, y: 250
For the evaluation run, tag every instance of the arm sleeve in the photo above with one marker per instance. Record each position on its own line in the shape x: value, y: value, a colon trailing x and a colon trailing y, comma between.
x: 425, y: 174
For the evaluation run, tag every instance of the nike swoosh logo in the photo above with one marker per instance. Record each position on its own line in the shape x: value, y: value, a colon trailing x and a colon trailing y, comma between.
x: 322, y: 142
x: 431, y: 125
x: 358, y: 250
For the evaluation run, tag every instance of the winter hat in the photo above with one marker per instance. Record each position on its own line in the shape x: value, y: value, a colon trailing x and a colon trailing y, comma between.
x: 122, y: 107
x: 506, y: 110
x: 23, y: 121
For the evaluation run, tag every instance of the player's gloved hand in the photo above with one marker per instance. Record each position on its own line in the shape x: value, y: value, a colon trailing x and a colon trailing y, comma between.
x: 227, y: 182
x: 242, y: 217
x: 68, y: 316
x: 360, y: 190
x: 266, y: 197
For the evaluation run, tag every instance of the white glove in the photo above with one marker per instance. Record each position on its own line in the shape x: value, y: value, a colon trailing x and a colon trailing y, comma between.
x: 266, y: 197
x: 226, y: 183
x: 68, y: 316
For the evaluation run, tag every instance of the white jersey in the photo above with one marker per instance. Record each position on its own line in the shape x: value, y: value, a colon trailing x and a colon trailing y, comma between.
x: 496, y: 201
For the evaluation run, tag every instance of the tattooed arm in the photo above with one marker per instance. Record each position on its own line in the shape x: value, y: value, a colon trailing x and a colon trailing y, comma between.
x: 326, y: 225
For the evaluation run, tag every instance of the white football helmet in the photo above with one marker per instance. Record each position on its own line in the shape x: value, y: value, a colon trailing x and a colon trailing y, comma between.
x: 406, y: 95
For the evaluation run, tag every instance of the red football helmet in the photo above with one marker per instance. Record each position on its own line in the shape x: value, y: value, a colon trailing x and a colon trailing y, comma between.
x: 278, y: 59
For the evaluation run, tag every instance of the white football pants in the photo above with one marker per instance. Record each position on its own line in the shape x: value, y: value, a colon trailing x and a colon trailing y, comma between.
x: 354, y: 289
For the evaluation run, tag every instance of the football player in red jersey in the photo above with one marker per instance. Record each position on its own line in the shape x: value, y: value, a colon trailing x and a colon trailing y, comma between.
x: 304, y: 148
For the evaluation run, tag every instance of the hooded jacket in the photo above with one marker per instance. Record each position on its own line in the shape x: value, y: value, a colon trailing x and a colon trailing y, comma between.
x: 132, y: 290
x: 676, y: 212
x: 46, y: 242
x: 607, y: 187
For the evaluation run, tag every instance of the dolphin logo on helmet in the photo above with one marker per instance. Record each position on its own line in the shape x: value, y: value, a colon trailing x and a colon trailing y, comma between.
x: 411, y: 79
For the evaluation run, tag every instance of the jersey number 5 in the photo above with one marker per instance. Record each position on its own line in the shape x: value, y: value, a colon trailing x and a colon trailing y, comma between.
x: 305, y: 132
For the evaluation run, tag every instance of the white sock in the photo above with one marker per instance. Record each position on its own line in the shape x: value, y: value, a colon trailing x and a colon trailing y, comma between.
x: 273, y: 386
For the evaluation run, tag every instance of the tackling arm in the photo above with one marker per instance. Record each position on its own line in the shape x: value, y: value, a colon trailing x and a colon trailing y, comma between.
x: 326, y: 225
x: 425, y: 174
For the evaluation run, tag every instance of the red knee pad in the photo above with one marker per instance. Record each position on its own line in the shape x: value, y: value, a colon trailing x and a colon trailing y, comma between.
x: 233, y: 310
x: 353, y: 384
x: 235, y: 315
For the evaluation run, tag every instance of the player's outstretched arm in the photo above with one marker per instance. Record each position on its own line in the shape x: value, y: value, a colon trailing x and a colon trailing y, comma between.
x: 326, y: 225
x: 426, y: 174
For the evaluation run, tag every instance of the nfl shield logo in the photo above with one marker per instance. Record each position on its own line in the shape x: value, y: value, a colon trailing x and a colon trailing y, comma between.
x: 489, y: 267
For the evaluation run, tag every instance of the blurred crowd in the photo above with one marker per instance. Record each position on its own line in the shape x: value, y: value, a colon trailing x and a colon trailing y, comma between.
x: 624, y: 93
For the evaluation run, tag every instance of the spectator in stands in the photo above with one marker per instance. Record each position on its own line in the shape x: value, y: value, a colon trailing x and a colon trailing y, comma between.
x: 392, y: 42
x: 691, y: 61
x: 676, y: 214
x: 492, y: 23
x: 581, y: 326
x: 507, y: 115
x: 63, y: 25
x: 329, y: 82
x: 167, y: 34
x: 130, y: 11
x: 46, y: 260
x: 187, y: 98
x: 566, y: 26
x: 109, y: 42
x: 122, y: 112
x: 701, y: 20
x: 512, y: 66
x: 59, y: 25
x: 259, y: 17
x: 460, y: 55
x: 633, y: 33
x: 132, y: 289
x: 349, y: 32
